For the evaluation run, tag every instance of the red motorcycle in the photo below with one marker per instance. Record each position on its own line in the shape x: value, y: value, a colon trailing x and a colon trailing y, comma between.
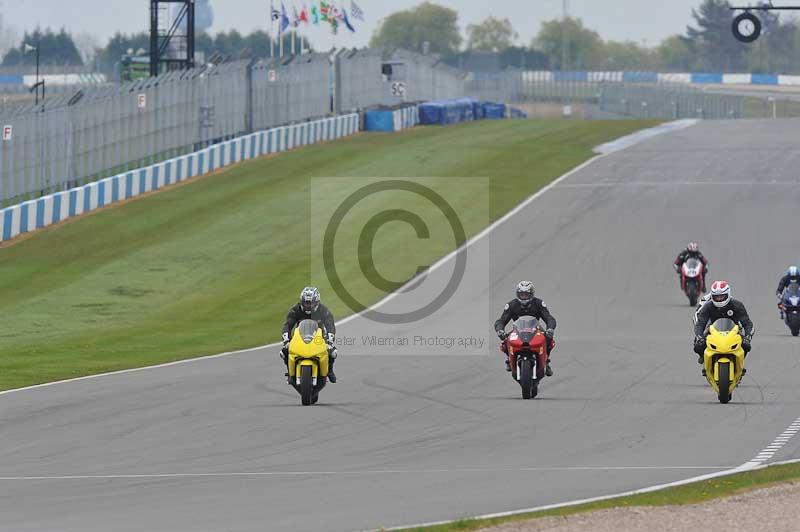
x: 526, y: 348
x: 692, y: 280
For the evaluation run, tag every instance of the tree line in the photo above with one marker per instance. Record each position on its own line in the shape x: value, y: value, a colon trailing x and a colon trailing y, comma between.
x: 561, y: 44
x: 566, y: 44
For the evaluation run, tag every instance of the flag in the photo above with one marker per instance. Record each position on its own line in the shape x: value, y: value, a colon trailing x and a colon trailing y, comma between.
x: 347, y: 21
x: 29, y: 48
x: 284, y: 19
x: 324, y: 9
x: 314, y: 15
x: 304, y: 15
x: 295, y: 17
x: 276, y: 15
x: 337, y: 14
x: 356, y: 11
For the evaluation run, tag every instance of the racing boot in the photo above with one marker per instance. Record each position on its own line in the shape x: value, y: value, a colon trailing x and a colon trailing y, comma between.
x: 331, y: 374
x: 508, y: 364
x: 548, y: 371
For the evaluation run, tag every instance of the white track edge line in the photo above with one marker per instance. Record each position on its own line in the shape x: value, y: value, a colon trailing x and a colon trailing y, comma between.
x: 741, y: 469
x: 500, y: 221
x: 232, y: 474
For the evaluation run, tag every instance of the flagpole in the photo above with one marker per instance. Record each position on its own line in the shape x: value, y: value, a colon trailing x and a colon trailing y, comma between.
x: 271, y: 29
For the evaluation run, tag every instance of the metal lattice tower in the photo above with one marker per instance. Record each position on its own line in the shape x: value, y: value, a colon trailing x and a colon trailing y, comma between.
x: 172, y: 32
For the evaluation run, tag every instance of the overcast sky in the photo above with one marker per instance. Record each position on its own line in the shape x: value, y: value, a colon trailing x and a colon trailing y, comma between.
x: 638, y: 20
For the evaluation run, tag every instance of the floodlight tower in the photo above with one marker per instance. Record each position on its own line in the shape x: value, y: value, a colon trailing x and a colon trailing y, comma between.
x: 171, y: 34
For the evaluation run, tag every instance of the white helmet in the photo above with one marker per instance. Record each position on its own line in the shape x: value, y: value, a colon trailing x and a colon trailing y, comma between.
x: 720, y: 293
x: 693, y: 247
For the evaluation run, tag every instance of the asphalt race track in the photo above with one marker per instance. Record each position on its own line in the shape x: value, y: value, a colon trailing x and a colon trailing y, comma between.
x: 410, y: 436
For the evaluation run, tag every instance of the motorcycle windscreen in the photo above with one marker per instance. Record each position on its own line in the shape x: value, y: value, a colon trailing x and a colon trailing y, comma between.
x: 307, y: 329
x: 526, y: 327
x: 724, y: 325
x: 693, y: 266
x: 793, y: 290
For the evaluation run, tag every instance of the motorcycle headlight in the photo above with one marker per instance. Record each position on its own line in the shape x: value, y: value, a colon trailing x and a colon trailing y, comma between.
x: 734, y: 347
x: 712, y: 346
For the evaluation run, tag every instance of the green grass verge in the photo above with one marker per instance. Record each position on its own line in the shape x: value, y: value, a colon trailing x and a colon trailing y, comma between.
x: 213, y: 265
x: 694, y: 493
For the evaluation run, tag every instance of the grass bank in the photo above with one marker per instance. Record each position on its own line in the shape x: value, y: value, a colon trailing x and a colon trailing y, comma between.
x: 695, y: 493
x: 213, y: 265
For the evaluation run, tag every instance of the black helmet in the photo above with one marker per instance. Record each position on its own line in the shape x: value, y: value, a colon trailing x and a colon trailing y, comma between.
x: 309, y: 299
x: 525, y: 292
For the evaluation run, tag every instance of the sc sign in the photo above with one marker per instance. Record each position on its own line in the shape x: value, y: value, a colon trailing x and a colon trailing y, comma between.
x: 398, y: 89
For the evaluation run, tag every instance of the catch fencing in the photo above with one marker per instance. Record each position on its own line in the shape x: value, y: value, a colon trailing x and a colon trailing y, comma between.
x: 82, y: 136
x: 628, y: 95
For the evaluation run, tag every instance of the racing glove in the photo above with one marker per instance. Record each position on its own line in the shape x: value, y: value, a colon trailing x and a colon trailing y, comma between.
x: 285, y: 339
x: 501, y: 334
x: 549, y: 333
x: 677, y: 268
x: 699, y: 339
x: 746, y: 344
x: 778, y: 292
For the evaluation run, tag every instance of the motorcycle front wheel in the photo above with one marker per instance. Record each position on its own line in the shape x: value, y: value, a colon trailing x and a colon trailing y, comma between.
x: 306, y: 385
x: 724, y: 383
x: 526, y: 378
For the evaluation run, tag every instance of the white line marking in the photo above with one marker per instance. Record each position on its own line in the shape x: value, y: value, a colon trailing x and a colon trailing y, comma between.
x: 776, y: 445
x: 388, y: 298
x: 741, y: 469
x: 611, y: 184
x: 355, y: 473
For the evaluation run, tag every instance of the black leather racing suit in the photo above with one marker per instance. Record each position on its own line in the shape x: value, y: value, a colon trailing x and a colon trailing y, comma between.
x: 709, y: 313
x: 784, y: 282
x: 685, y: 255
x: 536, y: 308
x: 322, y: 316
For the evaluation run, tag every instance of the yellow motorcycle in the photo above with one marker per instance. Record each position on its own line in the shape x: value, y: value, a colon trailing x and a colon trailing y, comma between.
x: 308, y: 361
x: 724, y: 358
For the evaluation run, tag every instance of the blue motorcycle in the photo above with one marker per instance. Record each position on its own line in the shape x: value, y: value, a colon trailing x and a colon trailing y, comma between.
x: 790, y: 308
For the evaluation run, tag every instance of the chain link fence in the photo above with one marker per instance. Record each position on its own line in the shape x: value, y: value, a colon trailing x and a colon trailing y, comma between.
x: 608, y: 95
x: 84, y: 135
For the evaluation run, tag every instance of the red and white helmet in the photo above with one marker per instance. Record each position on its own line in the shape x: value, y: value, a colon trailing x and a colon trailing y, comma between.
x: 693, y: 247
x: 720, y: 293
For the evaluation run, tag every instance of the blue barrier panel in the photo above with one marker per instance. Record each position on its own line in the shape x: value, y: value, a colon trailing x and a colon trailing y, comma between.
x: 571, y: 76
x: 477, y: 110
x: 494, y: 111
x: 431, y: 113
x: 40, y: 214
x: 764, y: 79
x: 23, y: 218
x: 7, y: 219
x: 12, y: 79
x: 101, y: 193
x: 640, y: 77
x: 706, y: 77
x: 465, y: 108
x: 57, y: 208
x: 379, y: 120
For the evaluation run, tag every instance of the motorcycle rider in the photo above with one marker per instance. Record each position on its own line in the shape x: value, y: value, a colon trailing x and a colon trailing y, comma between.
x: 792, y: 276
x: 525, y: 304
x: 721, y: 305
x: 692, y: 251
x: 310, y: 308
